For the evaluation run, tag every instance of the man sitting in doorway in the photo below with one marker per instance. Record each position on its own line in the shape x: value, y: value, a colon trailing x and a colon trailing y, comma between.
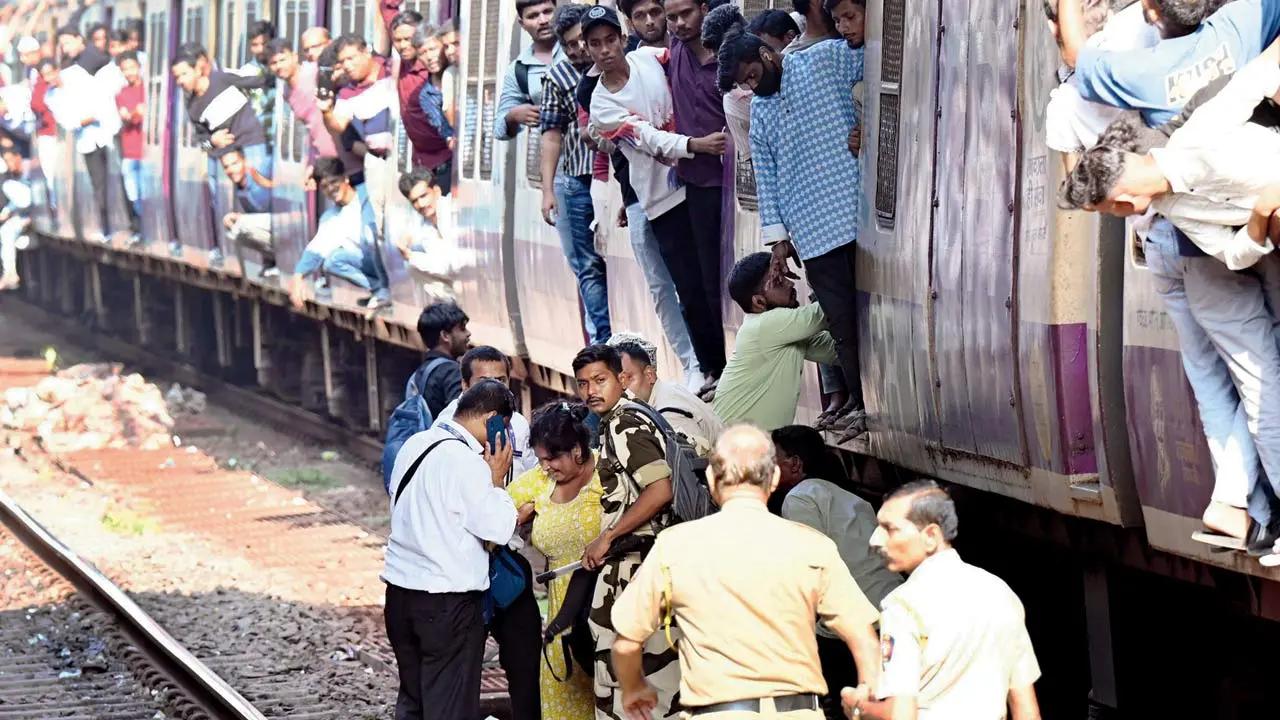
x: 249, y: 225
x: 345, y: 244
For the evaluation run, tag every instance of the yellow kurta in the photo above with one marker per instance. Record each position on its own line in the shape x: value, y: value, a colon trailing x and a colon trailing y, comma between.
x: 561, y: 531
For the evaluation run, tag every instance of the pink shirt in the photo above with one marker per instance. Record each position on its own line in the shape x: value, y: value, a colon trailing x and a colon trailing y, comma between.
x: 302, y: 100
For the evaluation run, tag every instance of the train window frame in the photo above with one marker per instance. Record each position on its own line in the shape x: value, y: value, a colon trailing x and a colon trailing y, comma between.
x: 533, y: 158
x: 469, y: 135
x: 490, y: 93
x: 893, y: 42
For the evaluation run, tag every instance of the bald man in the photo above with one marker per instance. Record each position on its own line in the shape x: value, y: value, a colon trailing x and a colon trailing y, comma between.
x: 314, y: 41
x: 745, y: 588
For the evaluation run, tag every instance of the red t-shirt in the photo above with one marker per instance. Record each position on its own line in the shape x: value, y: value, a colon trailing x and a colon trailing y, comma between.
x: 130, y: 98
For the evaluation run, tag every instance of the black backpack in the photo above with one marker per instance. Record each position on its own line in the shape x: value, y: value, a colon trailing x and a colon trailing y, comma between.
x: 691, y: 496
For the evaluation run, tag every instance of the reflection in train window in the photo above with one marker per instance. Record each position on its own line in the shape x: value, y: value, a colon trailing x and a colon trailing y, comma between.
x: 894, y: 28
x: 533, y: 158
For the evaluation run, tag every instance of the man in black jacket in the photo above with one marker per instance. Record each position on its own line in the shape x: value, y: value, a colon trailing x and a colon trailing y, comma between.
x: 443, y: 327
x: 221, y: 115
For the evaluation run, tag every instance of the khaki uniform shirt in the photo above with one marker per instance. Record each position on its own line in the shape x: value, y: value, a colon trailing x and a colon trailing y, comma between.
x: 746, y: 588
x: 633, y: 456
x: 953, y: 636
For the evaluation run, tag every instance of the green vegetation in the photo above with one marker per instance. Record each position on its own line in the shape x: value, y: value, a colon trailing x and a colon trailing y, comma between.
x: 305, y: 478
x: 123, y: 521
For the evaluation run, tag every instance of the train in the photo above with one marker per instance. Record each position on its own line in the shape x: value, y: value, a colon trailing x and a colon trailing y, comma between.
x: 1008, y: 346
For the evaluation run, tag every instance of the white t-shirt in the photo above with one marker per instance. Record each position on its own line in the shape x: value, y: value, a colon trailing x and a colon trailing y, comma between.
x: 640, y: 119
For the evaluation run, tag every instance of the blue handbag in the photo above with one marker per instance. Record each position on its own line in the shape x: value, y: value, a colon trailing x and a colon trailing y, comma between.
x: 506, y: 581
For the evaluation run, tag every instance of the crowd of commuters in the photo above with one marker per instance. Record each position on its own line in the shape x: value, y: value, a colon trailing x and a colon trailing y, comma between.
x: 653, y: 612
x: 1170, y: 123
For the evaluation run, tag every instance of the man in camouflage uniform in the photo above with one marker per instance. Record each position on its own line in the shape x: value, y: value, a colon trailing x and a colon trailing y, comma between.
x: 636, y: 502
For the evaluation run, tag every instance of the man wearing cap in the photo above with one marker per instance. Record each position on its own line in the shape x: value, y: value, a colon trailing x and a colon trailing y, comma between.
x: 746, y: 588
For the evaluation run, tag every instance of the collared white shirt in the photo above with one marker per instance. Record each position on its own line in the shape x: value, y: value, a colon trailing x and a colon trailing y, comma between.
x: 953, y: 636
x: 83, y: 95
x: 524, y: 459
x: 674, y: 401
x: 442, y: 519
x: 1218, y: 163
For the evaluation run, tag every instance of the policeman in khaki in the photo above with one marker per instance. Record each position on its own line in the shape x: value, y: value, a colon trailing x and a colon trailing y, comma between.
x: 952, y: 638
x: 745, y: 588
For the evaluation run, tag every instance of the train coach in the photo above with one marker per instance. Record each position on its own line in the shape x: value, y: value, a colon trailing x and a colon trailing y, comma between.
x: 1008, y: 346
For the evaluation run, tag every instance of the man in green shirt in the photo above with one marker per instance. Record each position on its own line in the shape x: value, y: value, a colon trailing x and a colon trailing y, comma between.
x: 761, y: 383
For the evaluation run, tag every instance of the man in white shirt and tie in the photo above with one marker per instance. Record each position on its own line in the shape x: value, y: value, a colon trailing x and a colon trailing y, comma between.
x: 447, y: 500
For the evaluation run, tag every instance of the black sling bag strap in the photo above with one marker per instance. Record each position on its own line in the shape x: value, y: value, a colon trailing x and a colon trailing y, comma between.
x: 413, y: 469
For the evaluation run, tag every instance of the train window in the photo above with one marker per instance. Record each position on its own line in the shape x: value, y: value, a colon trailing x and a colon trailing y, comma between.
x: 358, y: 11
x: 894, y: 28
x: 470, y: 106
x: 403, y: 154
x: 745, y: 182
x: 533, y: 158
x: 489, y: 91
x: 751, y: 8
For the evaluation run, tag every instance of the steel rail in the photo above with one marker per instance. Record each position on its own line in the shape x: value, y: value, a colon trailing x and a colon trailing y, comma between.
x: 204, y: 687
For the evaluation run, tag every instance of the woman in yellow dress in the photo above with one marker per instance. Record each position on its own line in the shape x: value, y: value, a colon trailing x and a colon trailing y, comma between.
x: 562, y: 496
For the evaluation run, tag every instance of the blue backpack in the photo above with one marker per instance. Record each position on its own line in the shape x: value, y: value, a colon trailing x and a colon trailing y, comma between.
x: 410, y: 417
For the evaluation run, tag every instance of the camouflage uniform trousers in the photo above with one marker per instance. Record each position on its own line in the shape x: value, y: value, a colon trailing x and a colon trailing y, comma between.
x: 661, y: 663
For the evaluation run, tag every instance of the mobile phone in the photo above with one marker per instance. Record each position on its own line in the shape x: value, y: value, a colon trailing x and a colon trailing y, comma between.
x: 496, y: 428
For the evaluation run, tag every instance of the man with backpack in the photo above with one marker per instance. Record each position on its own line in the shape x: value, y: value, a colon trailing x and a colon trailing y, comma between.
x: 436, y: 383
x: 521, y: 98
x: 638, y: 492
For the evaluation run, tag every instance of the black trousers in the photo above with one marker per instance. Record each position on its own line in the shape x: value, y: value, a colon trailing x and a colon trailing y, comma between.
x: 96, y: 164
x: 679, y: 247
x: 705, y: 215
x: 518, y: 632
x: 839, y: 671
x: 438, y: 640
x: 833, y: 281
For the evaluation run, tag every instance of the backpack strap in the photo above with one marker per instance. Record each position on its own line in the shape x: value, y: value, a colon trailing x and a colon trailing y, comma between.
x: 679, y: 411
x: 414, y: 386
x: 522, y: 79
x: 413, y: 469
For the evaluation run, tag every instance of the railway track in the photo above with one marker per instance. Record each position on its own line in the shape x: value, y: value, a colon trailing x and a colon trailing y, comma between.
x: 116, y: 661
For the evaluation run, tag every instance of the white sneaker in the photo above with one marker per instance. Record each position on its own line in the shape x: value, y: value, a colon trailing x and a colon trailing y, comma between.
x: 694, y: 380
x: 23, y: 242
x: 271, y: 272
x: 99, y: 238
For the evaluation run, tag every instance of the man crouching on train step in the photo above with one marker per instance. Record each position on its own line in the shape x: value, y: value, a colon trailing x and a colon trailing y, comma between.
x: 979, y: 662
x: 346, y: 240
x: 808, y: 182
x: 636, y: 503
x: 761, y: 383
x: 249, y: 225
x: 747, y: 588
x: 437, y: 572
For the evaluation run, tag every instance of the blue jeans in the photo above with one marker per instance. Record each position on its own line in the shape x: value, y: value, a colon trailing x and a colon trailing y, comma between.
x: 661, y: 287
x: 573, y: 222
x: 132, y: 171
x: 361, y: 269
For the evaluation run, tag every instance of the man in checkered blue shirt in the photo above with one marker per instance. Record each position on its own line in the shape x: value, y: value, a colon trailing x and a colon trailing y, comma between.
x: 807, y: 179
x: 566, y: 202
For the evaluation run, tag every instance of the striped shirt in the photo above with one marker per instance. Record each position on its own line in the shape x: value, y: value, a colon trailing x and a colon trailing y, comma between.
x: 560, y: 112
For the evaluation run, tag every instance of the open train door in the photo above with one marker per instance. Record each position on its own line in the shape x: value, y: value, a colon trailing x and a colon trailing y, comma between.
x: 192, y: 191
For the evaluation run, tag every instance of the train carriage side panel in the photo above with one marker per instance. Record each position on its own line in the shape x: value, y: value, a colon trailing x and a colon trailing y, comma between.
x: 899, y: 127
x: 485, y: 281
x: 159, y: 35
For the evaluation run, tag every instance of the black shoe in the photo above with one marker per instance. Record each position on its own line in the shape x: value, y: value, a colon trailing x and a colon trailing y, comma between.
x: 1260, y: 541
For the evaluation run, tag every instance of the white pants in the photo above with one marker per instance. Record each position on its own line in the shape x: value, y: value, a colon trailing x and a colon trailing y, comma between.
x: 10, y: 231
x: 1224, y: 417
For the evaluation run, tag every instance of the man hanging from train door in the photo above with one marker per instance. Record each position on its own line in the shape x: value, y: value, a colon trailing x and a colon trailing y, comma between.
x: 249, y: 225
x: 567, y: 157
x: 429, y: 145
x: 521, y: 98
x: 220, y: 114
x: 300, y: 82
x: 632, y: 107
x: 807, y: 181
x: 1200, y: 46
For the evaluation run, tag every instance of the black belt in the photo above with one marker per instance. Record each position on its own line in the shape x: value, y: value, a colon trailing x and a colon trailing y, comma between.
x: 783, y: 704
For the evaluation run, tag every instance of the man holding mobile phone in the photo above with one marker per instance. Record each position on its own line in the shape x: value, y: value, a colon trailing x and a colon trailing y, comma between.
x: 436, y: 573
